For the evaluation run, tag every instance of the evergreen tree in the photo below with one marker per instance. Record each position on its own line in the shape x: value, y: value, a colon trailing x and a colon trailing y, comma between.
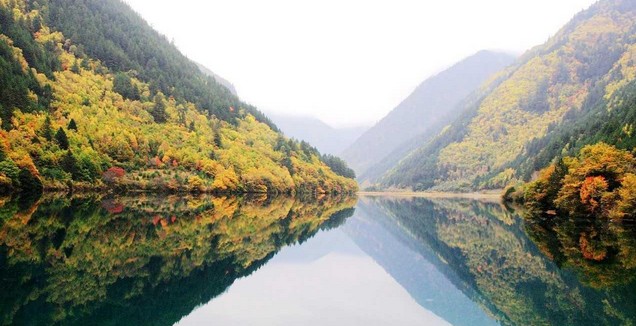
x: 69, y: 163
x: 28, y: 182
x: 85, y: 64
x: 217, y: 139
x: 159, y: 111
x: 191, y: 128
x: 75, y: 68
x: 61, y: 139
x: 123, y: 85
x: 47, y: 129
x: 72, y: 125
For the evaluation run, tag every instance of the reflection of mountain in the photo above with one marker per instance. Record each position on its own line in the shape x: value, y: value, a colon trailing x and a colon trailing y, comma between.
x: 414, y: 265
x: 482, y: 249
x: 141, y: 260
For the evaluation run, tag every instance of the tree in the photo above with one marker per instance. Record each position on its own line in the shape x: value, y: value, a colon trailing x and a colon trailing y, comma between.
x: 29, y: 182
x: 159, y: 110
x: 113, y: 175
x: 47, y: 129
x: 72, y: 125
x: 61, y: 139
x: 75, y: 68
x: 218, y: 141
x: 338, y: 166
x: 69, y: 163
x: 123, y: 85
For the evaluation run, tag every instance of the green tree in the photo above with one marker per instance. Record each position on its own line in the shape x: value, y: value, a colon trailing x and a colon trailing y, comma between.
x: 29, y: 182
x: 61, y: 139
x: 69, y: 163
x: 72, y: 125
x: 338, y: 166
x: 75, y: 68
x: 47, y: 129
x: 218, y: 141
x: 159, y: 110
x: 123, y: 85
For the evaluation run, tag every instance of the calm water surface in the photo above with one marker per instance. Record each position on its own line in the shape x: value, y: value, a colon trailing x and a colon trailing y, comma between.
x: 150, y: 260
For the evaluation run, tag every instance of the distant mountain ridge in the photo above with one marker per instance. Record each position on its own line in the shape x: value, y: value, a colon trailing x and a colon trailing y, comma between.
x: 550, y: 103
x: 324, y: 137
x: 430, y: 106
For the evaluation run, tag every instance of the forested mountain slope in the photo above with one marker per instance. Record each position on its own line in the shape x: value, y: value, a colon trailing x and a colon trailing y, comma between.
x: 91, y: 96
x: 219, y: 79
x: 575, y: 89
x: 431, y: 105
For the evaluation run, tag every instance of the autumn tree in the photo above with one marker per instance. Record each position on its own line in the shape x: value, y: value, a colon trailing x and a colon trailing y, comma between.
x: 113, y: 175
x: 600, y: 182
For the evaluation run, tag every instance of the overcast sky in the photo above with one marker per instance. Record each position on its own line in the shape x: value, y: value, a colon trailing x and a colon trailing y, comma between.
x: 346, y: 62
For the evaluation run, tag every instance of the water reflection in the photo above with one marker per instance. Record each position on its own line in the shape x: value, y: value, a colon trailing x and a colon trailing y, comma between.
x: 143, y: 259
x: 406, y: 261
x: 484, y: 251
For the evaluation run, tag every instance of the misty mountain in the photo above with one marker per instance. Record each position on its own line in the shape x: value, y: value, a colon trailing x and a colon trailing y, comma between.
x: 576, y: 89
x: 324, y: 137
x: 224, y: 82
x: 433, y: 104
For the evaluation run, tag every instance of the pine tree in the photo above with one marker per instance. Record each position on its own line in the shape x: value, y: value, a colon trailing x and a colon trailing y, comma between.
x: 72, y: 125
x: 218, y: 141
x: 61, y: 139
x: 85, y: 64
x: 47, y: 129
x: 159, y: 111
x: 76, y: 68
x: 191, y: 128
x: 69, y: 163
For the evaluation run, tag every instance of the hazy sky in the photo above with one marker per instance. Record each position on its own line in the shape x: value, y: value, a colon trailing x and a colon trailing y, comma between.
x: 346, y: 62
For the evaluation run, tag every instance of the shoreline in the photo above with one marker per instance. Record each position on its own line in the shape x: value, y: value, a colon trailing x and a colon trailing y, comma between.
x: 489, y: 196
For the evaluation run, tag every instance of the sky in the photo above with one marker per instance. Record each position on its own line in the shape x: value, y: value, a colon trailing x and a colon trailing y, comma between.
x: 346, y: 62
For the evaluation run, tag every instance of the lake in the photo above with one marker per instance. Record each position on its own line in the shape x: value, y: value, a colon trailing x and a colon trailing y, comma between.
x: 259, y: 260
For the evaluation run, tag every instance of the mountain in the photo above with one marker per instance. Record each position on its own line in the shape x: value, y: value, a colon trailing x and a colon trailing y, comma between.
x: 224, y: 82
x: 326, y: 138
x: 574, y: 90
x: 431, y: 106
x: 92, y: 97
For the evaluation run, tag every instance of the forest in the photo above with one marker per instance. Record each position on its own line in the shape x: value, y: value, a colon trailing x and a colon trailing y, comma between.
x: 599, y: 183
x: 576, y: 89
x: 93, y: 98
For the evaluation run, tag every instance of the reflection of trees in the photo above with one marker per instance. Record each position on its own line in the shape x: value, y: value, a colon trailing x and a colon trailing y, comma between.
x: 144, y: 259
x: 602, y: 253
x: 492, y: 260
